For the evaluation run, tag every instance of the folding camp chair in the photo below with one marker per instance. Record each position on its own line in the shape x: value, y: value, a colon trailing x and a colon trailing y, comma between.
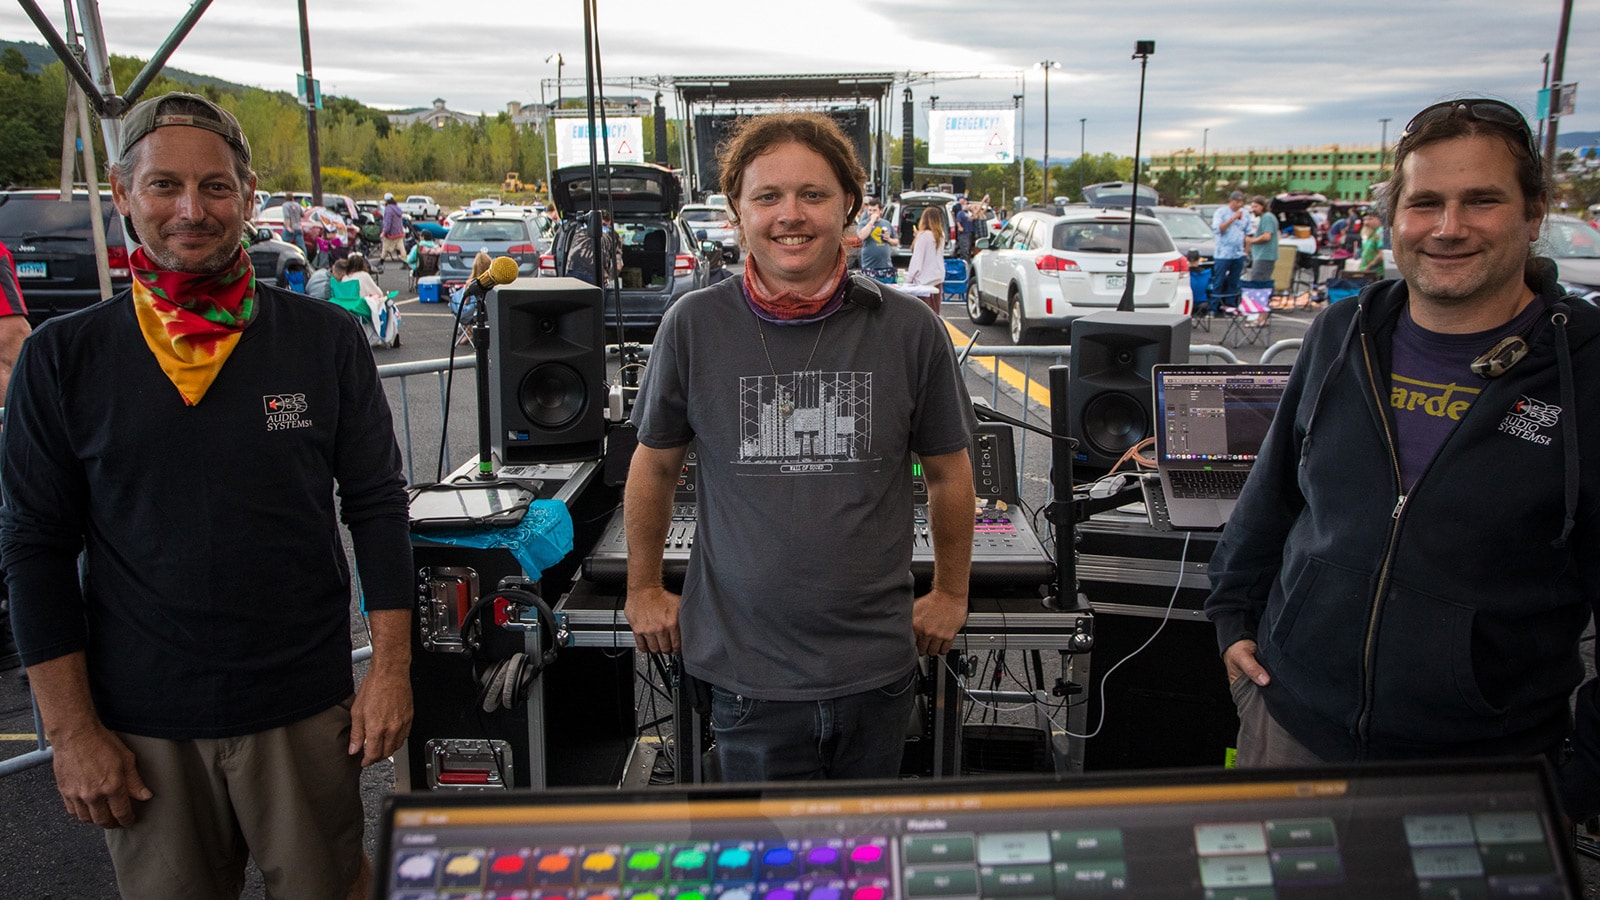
x: 380, y: 319
x: 427, y: 262
x: 1283, y: 278
x: 956, y: 280
x: 1251, y: 321
x: 1201, y: 308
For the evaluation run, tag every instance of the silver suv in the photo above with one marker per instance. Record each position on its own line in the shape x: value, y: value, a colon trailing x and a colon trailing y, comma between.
x: 1044, y: 269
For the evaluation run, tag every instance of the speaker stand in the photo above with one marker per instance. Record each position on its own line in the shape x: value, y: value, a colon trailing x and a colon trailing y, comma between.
x: 480, y: 347
x: 1065, y: 595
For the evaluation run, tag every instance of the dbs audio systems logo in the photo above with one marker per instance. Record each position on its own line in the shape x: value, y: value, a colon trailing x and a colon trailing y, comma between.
x: 284, y: 411
x: 1529, y: 419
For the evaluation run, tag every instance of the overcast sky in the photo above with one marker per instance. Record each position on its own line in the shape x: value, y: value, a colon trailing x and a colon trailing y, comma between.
x: 1256, y: 74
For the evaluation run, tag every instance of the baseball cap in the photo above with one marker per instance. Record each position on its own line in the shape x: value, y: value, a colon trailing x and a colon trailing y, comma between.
x: 388, y: 196
x: 177, y: 108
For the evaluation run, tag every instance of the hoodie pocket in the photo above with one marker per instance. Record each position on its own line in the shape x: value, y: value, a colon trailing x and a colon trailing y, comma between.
x: 1424, y: 670
x: 1314, y: 638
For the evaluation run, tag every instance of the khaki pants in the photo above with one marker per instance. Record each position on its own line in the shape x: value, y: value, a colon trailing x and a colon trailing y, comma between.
x: 1262, y: 741
x: 395, y: 245
x: 289, y: 797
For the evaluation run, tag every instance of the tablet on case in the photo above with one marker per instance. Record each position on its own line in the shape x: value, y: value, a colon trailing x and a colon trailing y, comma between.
x: 489, y: 504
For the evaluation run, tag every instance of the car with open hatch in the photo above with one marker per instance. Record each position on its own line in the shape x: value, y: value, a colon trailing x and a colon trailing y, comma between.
x: 1045, y: 269
x: 661, y: 258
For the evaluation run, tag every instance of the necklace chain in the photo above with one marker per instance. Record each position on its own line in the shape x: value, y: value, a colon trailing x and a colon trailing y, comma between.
x: 786, y: 407
x: 807, y: 367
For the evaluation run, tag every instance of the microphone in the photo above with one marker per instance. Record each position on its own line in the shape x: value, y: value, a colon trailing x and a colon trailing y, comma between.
x: 503, y: 270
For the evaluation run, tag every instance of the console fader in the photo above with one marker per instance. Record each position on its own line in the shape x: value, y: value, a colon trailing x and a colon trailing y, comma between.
x: 1005, y: 549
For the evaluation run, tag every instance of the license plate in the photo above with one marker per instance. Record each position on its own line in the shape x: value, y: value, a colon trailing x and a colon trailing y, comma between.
x: 1114, y: 282
x: 32, y: 270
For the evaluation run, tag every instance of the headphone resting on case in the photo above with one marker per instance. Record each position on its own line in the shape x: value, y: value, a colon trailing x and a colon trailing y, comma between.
x: 504, y: 685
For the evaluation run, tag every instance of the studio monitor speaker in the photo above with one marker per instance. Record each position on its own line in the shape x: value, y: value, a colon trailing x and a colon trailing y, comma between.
x: 547, y: 396
x: 1109, y: 388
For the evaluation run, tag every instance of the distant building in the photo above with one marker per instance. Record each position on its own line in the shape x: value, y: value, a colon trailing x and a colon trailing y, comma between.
x: 437, y: 117
x: 527, y: 115
x: 1339, y: 171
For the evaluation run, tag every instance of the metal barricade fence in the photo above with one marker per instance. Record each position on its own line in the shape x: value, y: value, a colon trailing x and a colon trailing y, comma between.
x: 1013, y: 374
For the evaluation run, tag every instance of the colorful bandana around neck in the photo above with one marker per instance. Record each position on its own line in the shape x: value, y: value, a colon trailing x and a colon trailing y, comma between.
x: 786, y: 306
x: 192, y: 322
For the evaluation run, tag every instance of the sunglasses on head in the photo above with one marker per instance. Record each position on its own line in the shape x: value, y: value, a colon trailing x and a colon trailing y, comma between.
x: 1482, y: 110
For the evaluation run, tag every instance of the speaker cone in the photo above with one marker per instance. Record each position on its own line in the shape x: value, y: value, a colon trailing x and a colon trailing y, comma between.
x: 1113, y: 422
x: 552, y: 395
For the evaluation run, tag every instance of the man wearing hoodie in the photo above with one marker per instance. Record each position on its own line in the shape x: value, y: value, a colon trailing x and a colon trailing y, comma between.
x: 1410, y: 568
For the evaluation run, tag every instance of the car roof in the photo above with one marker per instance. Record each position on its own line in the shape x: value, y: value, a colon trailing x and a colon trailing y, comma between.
x: 1085, y: 213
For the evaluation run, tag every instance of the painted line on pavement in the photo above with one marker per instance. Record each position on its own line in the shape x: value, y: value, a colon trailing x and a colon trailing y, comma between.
x: 1036, y: 392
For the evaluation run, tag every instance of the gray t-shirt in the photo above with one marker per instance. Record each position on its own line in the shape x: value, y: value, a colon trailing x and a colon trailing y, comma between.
x: 799, y: 584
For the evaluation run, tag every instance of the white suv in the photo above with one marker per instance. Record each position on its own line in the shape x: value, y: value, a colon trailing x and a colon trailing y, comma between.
x: 1044, y: 270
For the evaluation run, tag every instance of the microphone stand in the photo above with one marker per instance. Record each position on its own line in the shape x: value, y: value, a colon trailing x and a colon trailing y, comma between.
x: 480, y: 346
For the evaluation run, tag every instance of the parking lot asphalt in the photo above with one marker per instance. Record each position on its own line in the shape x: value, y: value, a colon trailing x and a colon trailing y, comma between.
x: 46, y: 854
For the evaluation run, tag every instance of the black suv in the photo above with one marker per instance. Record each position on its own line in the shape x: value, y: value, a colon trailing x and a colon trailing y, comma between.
x: 661, y: 259
x: 53, y: 244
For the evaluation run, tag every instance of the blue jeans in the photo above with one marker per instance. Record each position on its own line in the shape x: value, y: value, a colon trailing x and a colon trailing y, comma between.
x: 1225, y: 281
x: 855, y: 736
x: 297, y: 238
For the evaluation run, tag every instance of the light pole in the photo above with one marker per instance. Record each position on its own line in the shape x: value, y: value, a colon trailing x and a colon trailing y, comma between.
x: 1383, y: 146
x: 1022, y: 156
x: 559, y: 62
x: 1141, y: 52
x: 1082, y: 129
x: 1047, y: 65
x: 550, y: 127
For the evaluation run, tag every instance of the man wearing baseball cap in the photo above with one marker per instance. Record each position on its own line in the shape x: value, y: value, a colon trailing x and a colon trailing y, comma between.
x: 186, y: 437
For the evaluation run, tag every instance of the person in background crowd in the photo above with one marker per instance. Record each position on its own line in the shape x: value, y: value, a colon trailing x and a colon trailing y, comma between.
x: 319, y: 283
x: 239, y: 734
x: 393, y: 229
x: 1230, y: 224
x: 1351, y: 239
x: 464, y: 307
x: 1370, y: 262
x: 964, y: 229
x: 357, y: 268
x: 877, y: 235
x: 293, y: 229
x: 13, y: 329
x: 1263, y: 242
x: 797, y: 609
x: 1414, y: 581
x: 927, y: 255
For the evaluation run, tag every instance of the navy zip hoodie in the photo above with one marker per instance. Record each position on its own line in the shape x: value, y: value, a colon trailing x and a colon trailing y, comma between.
x: 1441, y: 623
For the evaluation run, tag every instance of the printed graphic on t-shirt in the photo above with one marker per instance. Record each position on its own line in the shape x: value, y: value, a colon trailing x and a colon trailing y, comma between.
x: 1442, y: 401
x: 805, y: 423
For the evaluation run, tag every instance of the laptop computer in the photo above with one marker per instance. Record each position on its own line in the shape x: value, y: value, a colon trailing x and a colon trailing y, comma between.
x: 1210, y: 422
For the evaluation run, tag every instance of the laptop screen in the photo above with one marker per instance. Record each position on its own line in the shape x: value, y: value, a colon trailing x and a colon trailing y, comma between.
x: 1444, y: 829
x: 1214, y: 414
